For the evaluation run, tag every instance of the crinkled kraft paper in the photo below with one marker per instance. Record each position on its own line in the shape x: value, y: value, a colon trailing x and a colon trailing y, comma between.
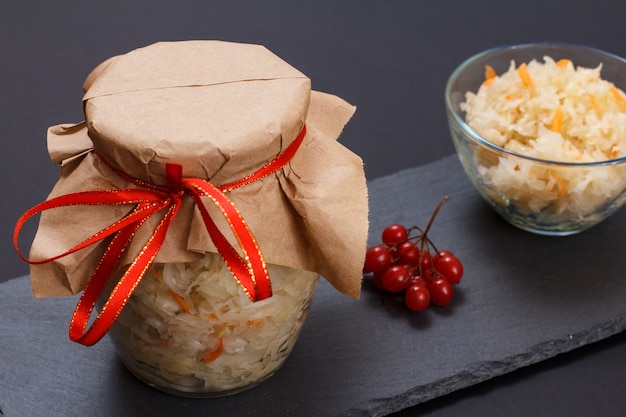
x: 221, y: 110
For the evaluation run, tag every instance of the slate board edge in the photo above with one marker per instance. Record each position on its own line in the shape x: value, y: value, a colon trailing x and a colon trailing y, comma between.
x: 484, y: 371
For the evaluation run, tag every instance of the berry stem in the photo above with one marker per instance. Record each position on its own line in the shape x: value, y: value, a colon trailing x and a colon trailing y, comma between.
x: 432, y: 217
x: 432, y: 244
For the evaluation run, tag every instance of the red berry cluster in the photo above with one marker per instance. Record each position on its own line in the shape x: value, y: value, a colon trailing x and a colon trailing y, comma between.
x: 407, y: 260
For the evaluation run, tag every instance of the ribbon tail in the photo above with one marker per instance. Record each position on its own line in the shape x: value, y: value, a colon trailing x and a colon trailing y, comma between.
x: 124, y: 288
x: 96, y: 286
x: 231, y: 258
x: 250, y: 270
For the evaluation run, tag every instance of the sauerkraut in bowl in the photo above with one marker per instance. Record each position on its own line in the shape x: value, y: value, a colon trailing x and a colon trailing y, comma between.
x: 541, y: 131
x: 190, y: 330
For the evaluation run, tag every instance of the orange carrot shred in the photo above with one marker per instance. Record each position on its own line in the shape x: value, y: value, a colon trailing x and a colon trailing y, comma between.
x: 557, y: 120
x: 595, y: 105
x: 561, y: 185
x: 525, y: 76
x: 256, y: 323
x: 181, y: 301
x: 512, y: 96
x: 490, y: 76
x: 210, y: 355
x: 157, y: 271
x: 618, y: 97
x: 562, y: 63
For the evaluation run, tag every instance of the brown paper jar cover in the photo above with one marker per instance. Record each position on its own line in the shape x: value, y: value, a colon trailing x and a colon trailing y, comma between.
x: 221, y: 110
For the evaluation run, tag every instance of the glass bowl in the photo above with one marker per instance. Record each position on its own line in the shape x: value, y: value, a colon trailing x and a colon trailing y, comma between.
x: 538, y: 195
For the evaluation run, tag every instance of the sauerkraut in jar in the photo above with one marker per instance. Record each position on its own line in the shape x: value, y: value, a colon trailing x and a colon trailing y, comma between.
x: 189, y: 329
x: 182, y: 142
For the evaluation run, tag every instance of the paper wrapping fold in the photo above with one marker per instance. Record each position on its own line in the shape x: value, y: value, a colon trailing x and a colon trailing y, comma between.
x: 221, y: 110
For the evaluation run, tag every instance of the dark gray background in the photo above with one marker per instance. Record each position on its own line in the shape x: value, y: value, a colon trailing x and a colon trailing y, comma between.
x: 389, y: 58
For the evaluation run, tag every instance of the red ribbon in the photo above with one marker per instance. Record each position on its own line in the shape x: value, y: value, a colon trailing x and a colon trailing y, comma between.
x: 249, y: 268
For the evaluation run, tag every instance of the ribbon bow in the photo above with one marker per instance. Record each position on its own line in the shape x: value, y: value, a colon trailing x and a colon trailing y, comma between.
x: 249, y: 268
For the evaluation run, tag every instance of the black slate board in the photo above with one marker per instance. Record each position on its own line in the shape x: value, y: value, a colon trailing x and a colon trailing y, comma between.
x: 524, y: 298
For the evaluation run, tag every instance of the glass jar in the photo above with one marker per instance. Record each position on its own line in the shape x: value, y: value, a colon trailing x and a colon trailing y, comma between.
x: 190, y: 330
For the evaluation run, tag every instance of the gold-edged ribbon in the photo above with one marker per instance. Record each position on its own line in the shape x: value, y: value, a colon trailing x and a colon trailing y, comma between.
x: 248, y: 268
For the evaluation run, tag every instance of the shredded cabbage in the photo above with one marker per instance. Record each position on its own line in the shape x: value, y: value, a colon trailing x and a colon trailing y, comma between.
x: 189, y: 328
x: 552, y: 111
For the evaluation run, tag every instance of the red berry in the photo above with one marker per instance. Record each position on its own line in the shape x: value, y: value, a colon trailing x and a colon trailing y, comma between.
x: 417, y: 280
x: 396, y: 278
x: 417, y: 298
x: 449, y: 266
x: 377, y: 280
x: 377, y: 258
x: 440, y: 292
x: 394, y: 235
x: 442, y: 254
x: 408, y: 253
